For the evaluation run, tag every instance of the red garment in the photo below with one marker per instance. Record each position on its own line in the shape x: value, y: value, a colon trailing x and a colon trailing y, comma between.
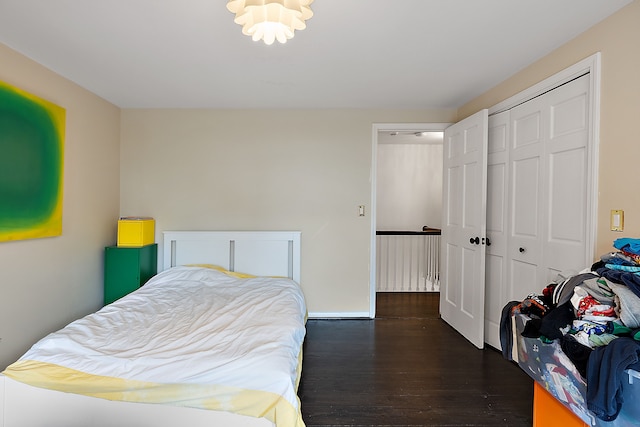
x: 585, y: 304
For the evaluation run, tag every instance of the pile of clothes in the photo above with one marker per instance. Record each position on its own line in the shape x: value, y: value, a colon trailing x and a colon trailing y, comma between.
x: 595, y: 314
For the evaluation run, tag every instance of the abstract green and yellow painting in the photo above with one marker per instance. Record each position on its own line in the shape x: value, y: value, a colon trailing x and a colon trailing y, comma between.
x: 32, y: 134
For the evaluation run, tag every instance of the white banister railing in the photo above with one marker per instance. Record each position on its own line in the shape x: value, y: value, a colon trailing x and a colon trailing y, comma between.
x: 408, y: 261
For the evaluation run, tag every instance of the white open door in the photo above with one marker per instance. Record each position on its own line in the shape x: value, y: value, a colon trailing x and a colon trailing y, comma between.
x: 464, y: 203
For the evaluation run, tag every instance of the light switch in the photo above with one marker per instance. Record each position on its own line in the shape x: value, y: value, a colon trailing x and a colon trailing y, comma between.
x: 361, y: 210
x: 617, y: 220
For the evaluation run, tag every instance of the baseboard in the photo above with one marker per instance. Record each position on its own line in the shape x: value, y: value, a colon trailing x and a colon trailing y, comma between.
x: 341, y: 315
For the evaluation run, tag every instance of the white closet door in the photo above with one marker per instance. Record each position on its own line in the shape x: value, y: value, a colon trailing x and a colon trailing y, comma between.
x: 526, y: 209
x: 567, y: 204
x: 549, y: 183
x: 462, y: 277
x: 497, y: 204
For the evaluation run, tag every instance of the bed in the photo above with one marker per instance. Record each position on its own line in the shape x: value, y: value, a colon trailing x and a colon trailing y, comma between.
x: 579, y: 339
x: 215, y: 338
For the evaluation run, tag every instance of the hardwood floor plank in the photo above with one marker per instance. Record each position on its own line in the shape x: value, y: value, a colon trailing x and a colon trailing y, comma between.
x: 407, y: 371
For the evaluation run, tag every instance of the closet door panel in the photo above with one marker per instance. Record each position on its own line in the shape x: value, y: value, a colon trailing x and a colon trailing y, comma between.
x: 566, y: 223
x: 471, y: 198
x: 496, y: 203
x: 496, y: 251
x: 495, y: 291
x: 525, y: 198
x: 454, y: 205
x: 453, y: 221
x: 497, y: 180
x: 527, y: 127
x: 567, y: 198
x: 569, y: 115
x: 523, y: 279
x: 524, y: 235
x: 527, y: 178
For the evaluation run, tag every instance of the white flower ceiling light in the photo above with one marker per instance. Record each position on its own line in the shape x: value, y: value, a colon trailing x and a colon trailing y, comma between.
x: 271, y: 20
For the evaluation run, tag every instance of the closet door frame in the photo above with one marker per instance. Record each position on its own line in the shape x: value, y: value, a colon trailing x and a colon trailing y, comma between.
x: 590, y: 65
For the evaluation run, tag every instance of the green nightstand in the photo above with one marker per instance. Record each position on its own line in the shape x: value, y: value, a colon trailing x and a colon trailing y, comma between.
x: 126, y: 269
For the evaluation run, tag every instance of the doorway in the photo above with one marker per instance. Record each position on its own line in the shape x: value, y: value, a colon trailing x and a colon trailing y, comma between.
x: 400, y: 201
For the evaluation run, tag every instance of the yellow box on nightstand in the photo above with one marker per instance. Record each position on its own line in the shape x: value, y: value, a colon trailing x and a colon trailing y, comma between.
x: 136, y: 231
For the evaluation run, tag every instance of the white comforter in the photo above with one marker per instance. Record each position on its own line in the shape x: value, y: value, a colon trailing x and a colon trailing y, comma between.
x: 191, y: 336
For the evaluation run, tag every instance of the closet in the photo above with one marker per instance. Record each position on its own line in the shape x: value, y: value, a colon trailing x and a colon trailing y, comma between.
x: 538, y: 195
x: 539, y: 206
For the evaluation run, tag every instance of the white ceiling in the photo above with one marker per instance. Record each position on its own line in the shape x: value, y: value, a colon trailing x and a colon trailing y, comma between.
x: 353, y: 54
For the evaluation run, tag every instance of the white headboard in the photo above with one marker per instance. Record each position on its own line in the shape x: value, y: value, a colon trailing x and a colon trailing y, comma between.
x: 261, y: 253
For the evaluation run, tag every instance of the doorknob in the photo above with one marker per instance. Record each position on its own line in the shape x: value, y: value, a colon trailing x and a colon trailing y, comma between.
x: 522, y: 250
x: 474, y: 240
x: 486, y: 241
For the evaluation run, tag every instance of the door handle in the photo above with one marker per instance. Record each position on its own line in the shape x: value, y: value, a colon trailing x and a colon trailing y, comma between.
x: 474, y: 240
x: 522, y: 250
x: 486, y: 241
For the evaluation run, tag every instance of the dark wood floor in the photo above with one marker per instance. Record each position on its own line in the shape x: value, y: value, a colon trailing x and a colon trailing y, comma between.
x: 407, y: 368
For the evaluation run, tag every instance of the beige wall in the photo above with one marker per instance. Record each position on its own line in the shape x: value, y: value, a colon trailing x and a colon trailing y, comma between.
x: 45, y: 283
x: 618, y: 40
x: 304, y: 170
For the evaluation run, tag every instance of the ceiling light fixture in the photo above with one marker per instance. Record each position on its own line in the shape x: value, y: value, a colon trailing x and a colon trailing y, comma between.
x: 271, y: 20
